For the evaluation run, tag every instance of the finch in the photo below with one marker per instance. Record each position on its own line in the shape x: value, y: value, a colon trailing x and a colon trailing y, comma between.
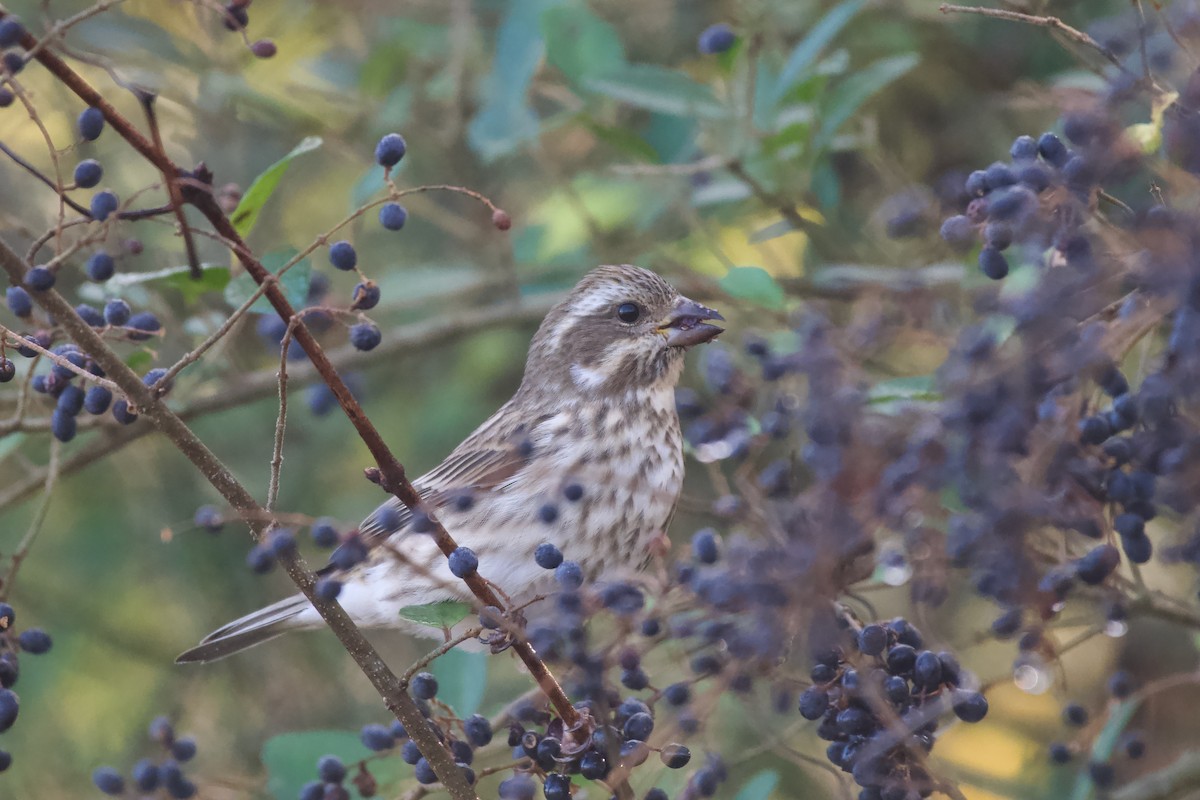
x: 587, y: 456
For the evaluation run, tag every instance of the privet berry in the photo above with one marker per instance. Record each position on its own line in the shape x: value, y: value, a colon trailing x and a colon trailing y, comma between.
x: 716, y: 39
x: 91, y: 124
x: 365, y: 336
x: 390, y: 150
x: 342, y: 256
x: 393, y: 216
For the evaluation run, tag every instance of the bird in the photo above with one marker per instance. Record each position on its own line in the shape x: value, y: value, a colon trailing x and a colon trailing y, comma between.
x: 587, y: 455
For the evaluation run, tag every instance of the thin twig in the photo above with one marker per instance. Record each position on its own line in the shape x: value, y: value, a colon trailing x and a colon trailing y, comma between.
x: 438, y: 652
x: 171, y: 183
x: 16, y: 340
x: 35, y: 525
x: 280, y: 420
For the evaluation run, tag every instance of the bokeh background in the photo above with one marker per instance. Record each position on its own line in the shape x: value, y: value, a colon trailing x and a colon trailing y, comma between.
x: 534, y: 104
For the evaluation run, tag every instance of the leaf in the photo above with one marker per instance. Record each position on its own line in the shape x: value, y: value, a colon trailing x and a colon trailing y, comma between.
x: 260, y: 191
x: 213, y: 278
x: 784, y: 226
x: 805, y: 53
x: 578, y: 42
x: 462, y: 680
x: 622, y: 140
x: 755, y: 285
x: 656, y: 88
x: 849, y: 95
x: 444, y: 614
x: 139, y: 360
x: 505, y: 119
x: 9, y: 443
x: 760, y: 786
x: 290, y: 760
x: 1104, y: 745
x: 294, y: 282
x: 893, y: 396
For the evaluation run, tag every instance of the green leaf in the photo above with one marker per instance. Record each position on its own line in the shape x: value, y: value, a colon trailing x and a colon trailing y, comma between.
x: 9, y: 443
x: 213, y: 278
x: 578, y: 42
x: 462, y: 680
x: 622, y: 140
x: 505, y: 119
x: 849, y: 96
x: 755, y: 285
x: 773, y: 231
x: 139, y: 360
x: 1105, y: 744
x: 804, y: 54
x: 294, y: 282
x: 760, y: 786
x: 444, y: 614
x: 892, y: 396
x: 252, y: 202
x: 290, y: 760
x: 656, y: 88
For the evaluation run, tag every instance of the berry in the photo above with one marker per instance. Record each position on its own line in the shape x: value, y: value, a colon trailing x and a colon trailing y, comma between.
x: 390, y: 150
x: 501, y: 220
x: 331, y: 769
x: 557, y: 787
x: 260, y: 559
x: 104, y: 204
x: 377, y: 738
x: 569, y: 575
x: 705, y: 546
x: 478, y: 730
x: 323, y: 533
x: 264, y: 48
x: 639, y: 726
x: 19, y: 301
x: 927, y: 671
x: 547, y: 556
x: 993, y: 263
x: 675, y: 756
x: 573, y: 492
x: 236, y: 17
x: 39, y: 279
x: 1075, y: 714
x: 958, y: 232
x: 463, y: 562
x: 424, y: 773
x: 593, y: 765
x: 901, y: 659
x: 365, y: 297
x: 1052, y: 150
x: 1120, y: 684
x: 393, y: 216
x: 143, y: 321
x: 8, y: 370
x: 342, y: 256
x: 100, y: 266
x: 348, y: 554
x: 410, y: 753
x: 1101, y: 774
x: 88, y: 173
x: 121, y: 412
x: 6, y: 97
x: 183, y: 749
x: 108, y: 780
x: 365, y: 336
x: 90, y: 315
x: 424, y: 686
x: 1097, y: 564
x: 1024, y: 148
x: 1134, y: 745
x: 9, y: 707
x: 328, y: 589
x: 548, y: 513
x: 970, y: 706
x: 70, y: 401
x: 716, y: 39
x: 313, y: 790
x: 11, y: 31
x: 117, y: 312
x: 896, y: 689
x: 872, y: 640
x: 1060, y: 753
x: 282, y: 541
x: 813, y: 703
x: 62, y: 425
x: 145, y: 775
x: 8, y: 617
x: 518, y: 787
x: 35, y: 641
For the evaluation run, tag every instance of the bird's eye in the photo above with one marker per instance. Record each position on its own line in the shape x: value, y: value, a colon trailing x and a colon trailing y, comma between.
x: 628, y: 313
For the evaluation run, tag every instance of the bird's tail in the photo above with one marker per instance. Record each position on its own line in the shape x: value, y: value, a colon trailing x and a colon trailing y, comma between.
x: 252, y: 629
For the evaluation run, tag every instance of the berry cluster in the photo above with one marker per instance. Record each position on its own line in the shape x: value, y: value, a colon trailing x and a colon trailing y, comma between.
x: 33, y: 641
x: 151, y: 778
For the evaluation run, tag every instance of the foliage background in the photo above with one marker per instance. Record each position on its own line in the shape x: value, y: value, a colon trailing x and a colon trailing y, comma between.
x: 516, y: 99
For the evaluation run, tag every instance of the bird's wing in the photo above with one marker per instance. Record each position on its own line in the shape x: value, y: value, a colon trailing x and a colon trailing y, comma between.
x: 485, y: 461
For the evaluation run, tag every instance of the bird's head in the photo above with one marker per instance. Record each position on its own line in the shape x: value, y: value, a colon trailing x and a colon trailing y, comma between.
x: 620, y: 328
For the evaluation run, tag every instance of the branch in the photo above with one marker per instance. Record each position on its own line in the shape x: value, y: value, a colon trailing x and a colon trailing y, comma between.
x: 386, y: 683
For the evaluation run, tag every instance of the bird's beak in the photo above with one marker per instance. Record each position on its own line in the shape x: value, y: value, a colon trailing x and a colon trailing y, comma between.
x: 687, y: 324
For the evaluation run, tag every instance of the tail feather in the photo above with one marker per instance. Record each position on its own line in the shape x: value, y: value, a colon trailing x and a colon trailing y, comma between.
x: 252, y: 629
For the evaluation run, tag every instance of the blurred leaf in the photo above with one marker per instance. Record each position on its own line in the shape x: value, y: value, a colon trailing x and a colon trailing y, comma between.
x: 445, y: 614
x: 291, y: 760
x: 893, y: 396
x: 784, y: 226
x: 755, y: 285
x: 805, y: 53
x: 622, y: 140
x: 656, y: 88
x: 723, y: 189
x: 848, y: 96
x: 1104, y: 745
x: 294, y: 282
x: 213, y: 278
x: 10, y: 443
x: 505, y: 119
x: 760, y: 786
x: 462, y: 680
x: 139, y: 360
x: 578, y: 42
x: 260, y: 191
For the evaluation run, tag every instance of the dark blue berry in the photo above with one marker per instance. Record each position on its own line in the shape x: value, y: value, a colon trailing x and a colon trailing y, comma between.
x: 117, y: 312
x: 927, y: 671
x: 108, y: 780
x: 121, y: 412
x: 548, y: 513
x: 675, y: 756
x: 366, y: 296
x: 1060, y: 753
x: 639, y: 726
x: 557, y: 787
x: 145, y: 322
x: 342, y: 256
x: 463, y: 562
x: 328, y: 589
x: 19, y: 301
x: 324, y: 533
x: 1024, y: 148
x: 8, y: 370
x: 9, y: 708
x: 410, y: 753
x: 70, y: 401
x: 993, y: 263
x: 35, y: 641
x: 813, y: 703
x: 424, y: 686
x: 716, y: 39
x: 90, y: 315
x: 313, y: 790
x: 183, y: 749
x: 91, y: 123
x: 547, y: 556
x: 103, y: 205
x: 1052, y: 150
x: 145, y: 775
x: 393, y: 216
x: 88, y: 173
x: 39, y: 278
x: 390, y: 150
x: 282, y: 541
x: 365, y: 336
x: 970, y: 706
x: 593, y: 765
x: 62, y: 425
x: 377, y: 738
x: 348, y: 554
x: 11, y: 31
x: 569, y: 575
x: 331, y: 769
x: 424, y: 773
x: 706, y: 546
x: 478, y: 730
x: 958, y: 232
